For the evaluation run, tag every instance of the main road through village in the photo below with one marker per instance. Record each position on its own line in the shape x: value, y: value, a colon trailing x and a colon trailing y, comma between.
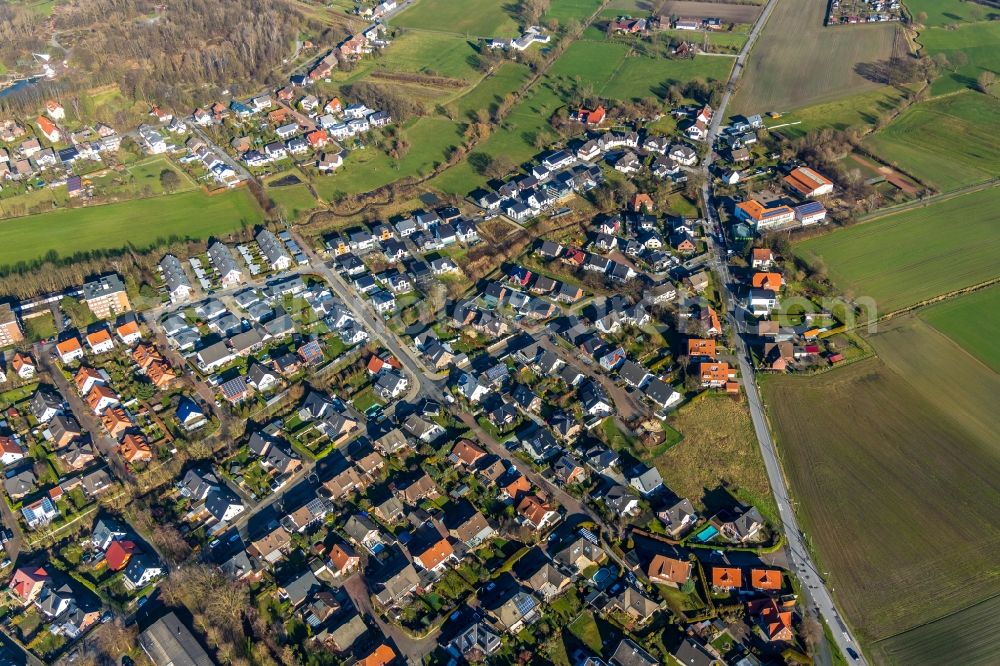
x: 818, y: 601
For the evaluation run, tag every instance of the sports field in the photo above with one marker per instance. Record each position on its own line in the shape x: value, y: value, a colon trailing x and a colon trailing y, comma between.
x: 142, y: 223
x: 907, y: 257
x: 476, y: 18
x: 797, y: 62
x: 897, y: 467
x: 972, y: 321
x: 977, y: 41
x: 948, y: 142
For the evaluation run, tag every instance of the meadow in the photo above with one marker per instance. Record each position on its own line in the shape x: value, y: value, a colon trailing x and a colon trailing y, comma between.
x: 946, y: 12
x: 896, y: 465
x: 972, y: 321
x: 947, y: 143
x: 484, y: 19
x: 910, y: 256
x: 293, y: 199
x: 365, y: 170
x: 143, y: 224
x: 564, y: 11
x: 719, y: 447
x: 854, y: 111
x: 614, y: 70
x: 797, y: 62
x: 978, y: 41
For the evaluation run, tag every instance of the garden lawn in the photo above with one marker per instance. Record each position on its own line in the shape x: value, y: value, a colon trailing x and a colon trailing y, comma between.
x: 147, y: 173
x: 907, y: 257
x: 972, y: 321
x: 143, y: 224
x: 948, y: 142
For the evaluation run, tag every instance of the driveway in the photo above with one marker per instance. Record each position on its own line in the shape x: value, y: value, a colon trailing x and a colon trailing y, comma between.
x: 413, y: 649
x: 88, y: 420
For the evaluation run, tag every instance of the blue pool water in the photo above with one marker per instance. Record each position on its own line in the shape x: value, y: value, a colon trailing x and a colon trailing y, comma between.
x: 706, y: 534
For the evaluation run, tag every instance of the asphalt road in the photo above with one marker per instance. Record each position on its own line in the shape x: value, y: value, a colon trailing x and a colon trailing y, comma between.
x: 818, y: 601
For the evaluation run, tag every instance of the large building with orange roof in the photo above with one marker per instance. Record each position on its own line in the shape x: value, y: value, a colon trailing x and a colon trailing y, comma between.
x: 762, y: 217
x: 135, y: 448
x: 808, y: 183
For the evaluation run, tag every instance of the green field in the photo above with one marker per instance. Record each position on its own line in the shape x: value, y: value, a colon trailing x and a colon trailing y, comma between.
x: 368, y: 169
x: 897, y: 466
x: 614, y: 71
x: 797, y: 62
x: 978, y: 41
x: 946, y: 12
x: 854, y: 111
x: 917, y: 254
x: 493, y: 89
x: 961, y: 638
x: 476, y: 18
x: 948, y: 142
x: 972, y: 321
x: 513, y: 139
x: 564, y: 11
x: 147, y: 174
x: 142, y: 223
x: 293, y: 199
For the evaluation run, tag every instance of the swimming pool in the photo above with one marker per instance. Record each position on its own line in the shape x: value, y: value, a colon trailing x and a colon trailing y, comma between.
x: 707, y: 534
x: 602, y: 577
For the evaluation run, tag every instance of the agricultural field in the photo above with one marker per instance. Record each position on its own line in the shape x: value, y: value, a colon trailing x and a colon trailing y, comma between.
x: 947, y: 143
x: 913, y: 255
x: 68, y: 231
x: 978, y: 44
x: 728, y: 12
x: 909, y: 475
x: 797, y: 62
x: 972, y: 321
x: 967, y: 637
x: 719, y: 447
x: 482, y: 19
